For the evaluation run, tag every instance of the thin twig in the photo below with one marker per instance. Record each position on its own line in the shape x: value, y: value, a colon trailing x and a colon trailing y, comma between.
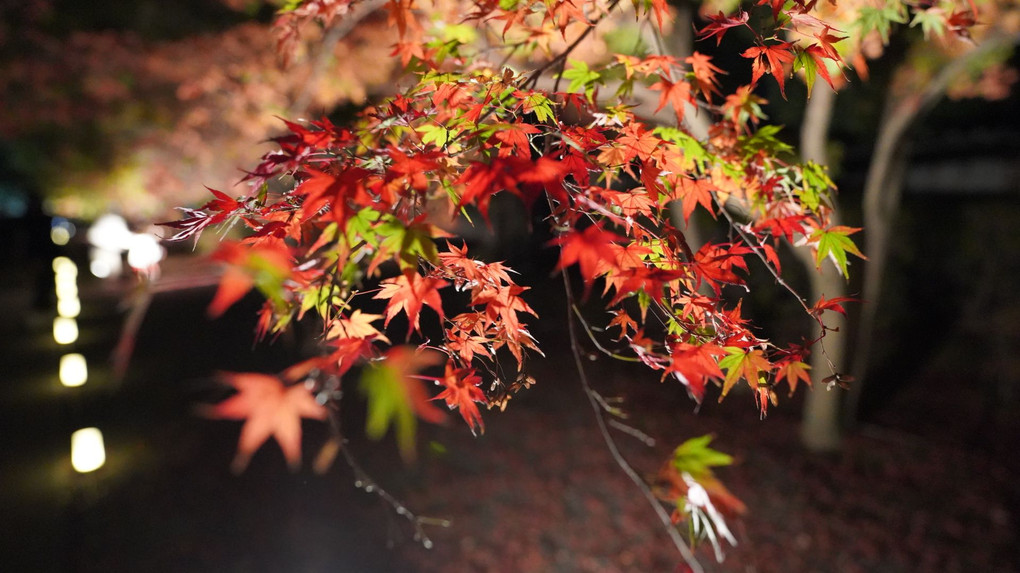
x: 364, y: 481
x: 602, y: 349
x: 631, y: 430
x: 664, y: 517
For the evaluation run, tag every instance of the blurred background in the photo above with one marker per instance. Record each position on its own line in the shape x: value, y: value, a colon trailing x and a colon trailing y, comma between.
x: 112, y: 115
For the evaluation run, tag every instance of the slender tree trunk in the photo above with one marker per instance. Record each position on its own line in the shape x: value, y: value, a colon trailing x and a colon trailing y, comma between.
x: 820, y: 426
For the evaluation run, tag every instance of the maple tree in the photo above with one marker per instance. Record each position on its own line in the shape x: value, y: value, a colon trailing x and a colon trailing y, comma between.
x: 499, y: 101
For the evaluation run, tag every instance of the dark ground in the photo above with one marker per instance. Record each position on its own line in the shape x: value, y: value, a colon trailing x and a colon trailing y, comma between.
x: 921, y: 487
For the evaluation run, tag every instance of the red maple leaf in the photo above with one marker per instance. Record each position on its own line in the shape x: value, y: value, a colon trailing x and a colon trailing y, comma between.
x: 720, y: 23
x: 357, y: 325
x: 624, y: 321
x: 464, y: 343
x: 461, y: 393
x: 514, y: 138
x: 589, y: 248
x: 769, y: 59
x: 270, y: 410
x: 693, y: 365
x: 268, y: 258
x: 831, y: 304
x: 409, y: 292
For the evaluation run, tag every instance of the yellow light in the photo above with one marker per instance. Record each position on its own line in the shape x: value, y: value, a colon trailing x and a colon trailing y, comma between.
x: 69, y: 307
x: 65, y: 330
x: 64, y: 265
x: 60, y: 236
x: 74, y: 370
x: 87, y: 450
x: 66, y: 288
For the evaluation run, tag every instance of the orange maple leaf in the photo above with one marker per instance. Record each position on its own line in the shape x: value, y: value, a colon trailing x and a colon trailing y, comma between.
x: 270, y: 409
x: 409, y: 292
x: 357, y: 325
x: 461, y: 393
x: 676, y: 94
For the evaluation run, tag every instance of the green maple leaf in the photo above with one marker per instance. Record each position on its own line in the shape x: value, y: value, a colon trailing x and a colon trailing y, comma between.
x: 696, y: 458
x: 835, y: 242
x: 881, y: 19
x: 741, y: 363
x: 581, y: 78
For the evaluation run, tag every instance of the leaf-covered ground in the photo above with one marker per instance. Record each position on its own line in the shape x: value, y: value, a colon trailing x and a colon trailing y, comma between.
x: 539, y: 493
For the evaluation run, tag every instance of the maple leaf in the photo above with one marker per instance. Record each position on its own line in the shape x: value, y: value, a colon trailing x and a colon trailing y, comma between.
x: 832, y: 304
x: 461, y: 393
x: 514, y: 137
x: 503, y: 303
x: 792, y: 371
x: 769, y: 59
x: 835, y: 243
x: 704, y: 72
x: 637, y: 142
x: 624, y: 321
x: 357, y: 325
x: 720, y: 23
x: 589, y: 249
x: 676, y: 94
x: 266, y: 266
x: 694, y: 192
x: 408, y: 292
x: 223, y: 203
x: 270, y: 410
x: 465, y: 344
x: 693, y: 365
x: 714, y: 263
x: 396, y: 396
x: 812, y: 61
x: 647, y: 280
x: 742, y: 363
x: 480, y: 181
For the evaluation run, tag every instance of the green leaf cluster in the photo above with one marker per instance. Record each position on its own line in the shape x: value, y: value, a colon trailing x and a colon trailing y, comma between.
x: 696, y: 458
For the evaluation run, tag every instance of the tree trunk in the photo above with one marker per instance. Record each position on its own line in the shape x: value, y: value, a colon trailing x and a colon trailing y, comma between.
x: 820, y: 426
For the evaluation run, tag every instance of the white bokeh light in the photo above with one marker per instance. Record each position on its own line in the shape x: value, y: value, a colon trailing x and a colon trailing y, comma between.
x: 144, y: 251
x: 74, y: 370
x: 88, y: 453
x: 65, y: 330
x: 69, y: 307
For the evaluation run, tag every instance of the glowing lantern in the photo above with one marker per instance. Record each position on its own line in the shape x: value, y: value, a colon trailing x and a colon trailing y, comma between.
x: 74, y: 370
x: 69, y: 307
x: 87, y: 450
x: 66, y: 288
x: 65, y: 330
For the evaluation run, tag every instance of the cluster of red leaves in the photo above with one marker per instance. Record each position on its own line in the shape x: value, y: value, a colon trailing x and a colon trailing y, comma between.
x: 371, y: 202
